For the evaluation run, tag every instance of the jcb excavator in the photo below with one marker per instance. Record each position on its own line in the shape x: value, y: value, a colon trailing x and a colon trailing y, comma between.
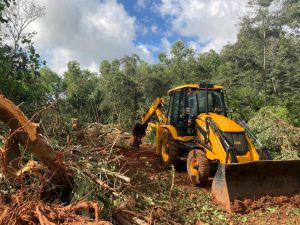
x: 196, y: 129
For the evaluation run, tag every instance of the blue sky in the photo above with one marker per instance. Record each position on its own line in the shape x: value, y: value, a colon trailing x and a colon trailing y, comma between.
x: 92, y: 30
x: 152, y: 26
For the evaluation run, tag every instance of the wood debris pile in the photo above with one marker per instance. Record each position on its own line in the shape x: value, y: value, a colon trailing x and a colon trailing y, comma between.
x: 38, y: 191
x: 103, y: 135
x: 81, y: 183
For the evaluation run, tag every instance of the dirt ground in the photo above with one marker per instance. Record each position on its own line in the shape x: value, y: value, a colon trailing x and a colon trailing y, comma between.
x: 188, y: 204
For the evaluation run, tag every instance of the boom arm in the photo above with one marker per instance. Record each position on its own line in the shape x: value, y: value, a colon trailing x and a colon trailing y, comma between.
x: 155, y: 108
x: 139, y: 129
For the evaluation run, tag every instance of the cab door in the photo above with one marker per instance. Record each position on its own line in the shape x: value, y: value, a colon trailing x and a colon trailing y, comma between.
x: 183, y: 110
x: 177, y: 111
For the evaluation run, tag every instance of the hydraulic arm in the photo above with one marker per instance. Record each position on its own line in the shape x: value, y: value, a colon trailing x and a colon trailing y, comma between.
x: 139, y: 129
x: 198, y: 131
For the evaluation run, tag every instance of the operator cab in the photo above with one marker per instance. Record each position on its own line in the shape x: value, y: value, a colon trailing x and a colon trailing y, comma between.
x: 188, y: 101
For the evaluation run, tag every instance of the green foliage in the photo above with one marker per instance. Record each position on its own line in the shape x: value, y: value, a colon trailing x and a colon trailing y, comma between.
x: 244, y: 101
x: 121, y: 91
x: 81, y: 92
x: 19, y: 62
x: 272, y: 126
x: 290, y: 15
x: 261, y: 69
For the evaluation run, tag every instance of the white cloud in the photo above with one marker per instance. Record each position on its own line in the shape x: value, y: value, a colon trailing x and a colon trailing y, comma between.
x: 86, y: 31
x: 141, y: 28
x: 212, y: 22
x: 166, y: 45
x: 141, y: 3
x: 59, y: 58
x: 145, y: 51
x: 154, y: 28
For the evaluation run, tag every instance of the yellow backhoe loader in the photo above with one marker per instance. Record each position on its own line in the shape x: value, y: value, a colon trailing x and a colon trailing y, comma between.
x: 196, y: 129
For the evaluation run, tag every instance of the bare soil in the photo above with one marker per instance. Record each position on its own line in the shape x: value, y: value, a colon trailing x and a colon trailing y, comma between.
x: 249, y: 205
x: 145, y: 169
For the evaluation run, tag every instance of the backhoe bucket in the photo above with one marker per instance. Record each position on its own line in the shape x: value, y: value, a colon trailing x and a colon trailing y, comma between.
x: 255, y: 179
x: 138, y: 131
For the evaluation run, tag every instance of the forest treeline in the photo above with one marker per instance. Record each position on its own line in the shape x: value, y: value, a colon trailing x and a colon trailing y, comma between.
x: 260, y: 72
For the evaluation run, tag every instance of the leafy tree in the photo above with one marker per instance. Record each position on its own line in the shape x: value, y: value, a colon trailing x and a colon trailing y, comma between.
x: 207, y: 65
x: 265, y: 59
x: 289, y: 16
x: 19, y: 62
x: 121, y: 87
x: 273, y: 128
x: 18, y: 17
x: 81, y: 92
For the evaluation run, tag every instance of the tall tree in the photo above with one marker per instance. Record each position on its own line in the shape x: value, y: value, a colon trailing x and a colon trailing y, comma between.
x: 19, y: 62
x: 19, y: 16
x: 81, y: 92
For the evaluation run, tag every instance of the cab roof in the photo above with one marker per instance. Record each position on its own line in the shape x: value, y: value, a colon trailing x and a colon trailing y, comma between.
x: 200, y: 86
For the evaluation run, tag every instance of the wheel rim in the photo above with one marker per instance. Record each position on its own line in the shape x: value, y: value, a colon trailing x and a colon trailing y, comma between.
x: 192, y: 166
x: 165, y: 151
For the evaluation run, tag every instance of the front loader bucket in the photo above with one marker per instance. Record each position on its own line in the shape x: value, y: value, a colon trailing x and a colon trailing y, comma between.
x: 255, y: 179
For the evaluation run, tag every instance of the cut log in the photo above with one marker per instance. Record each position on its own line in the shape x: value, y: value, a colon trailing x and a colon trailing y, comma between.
x: 10, y: 111
x: 25, y: 132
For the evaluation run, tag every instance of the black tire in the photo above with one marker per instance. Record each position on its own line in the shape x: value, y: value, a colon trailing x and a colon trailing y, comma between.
x: 198, y: 167
x: 169, y: 152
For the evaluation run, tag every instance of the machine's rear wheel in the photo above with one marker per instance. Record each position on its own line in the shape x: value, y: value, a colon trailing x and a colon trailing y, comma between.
x: 169, y: 152
x: 198, y: 167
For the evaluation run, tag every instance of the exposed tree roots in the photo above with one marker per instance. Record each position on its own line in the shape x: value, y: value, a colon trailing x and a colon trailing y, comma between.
x: 23, y: 132
x: 38, y: 212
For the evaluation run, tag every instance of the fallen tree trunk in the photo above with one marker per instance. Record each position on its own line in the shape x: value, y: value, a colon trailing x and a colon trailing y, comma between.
x: 25, y: 132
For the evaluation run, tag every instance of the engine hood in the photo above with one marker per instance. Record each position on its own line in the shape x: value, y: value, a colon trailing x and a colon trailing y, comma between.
x: 225, y: 124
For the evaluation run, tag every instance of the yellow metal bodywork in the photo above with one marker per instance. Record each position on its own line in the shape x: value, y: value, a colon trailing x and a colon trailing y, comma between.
x: 216, y: 151
x: 162, y: 124
x: 226, y: 125
x: 74, y: 123
x: 245, y: 176
x: 172, y: 130
x: 155, y: 109
x: 195, y: 86
x: 164, y: 152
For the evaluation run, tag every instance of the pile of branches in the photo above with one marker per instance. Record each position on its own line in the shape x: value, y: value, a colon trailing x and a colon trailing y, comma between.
x: 33, y: 200
x: 103, y: 135
x: 99, y: 175
x: 272, y: 127
x: 80, y: 183
x: 36, y: 191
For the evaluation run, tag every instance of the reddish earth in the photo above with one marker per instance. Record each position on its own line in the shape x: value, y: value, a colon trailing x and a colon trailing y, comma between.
x: 144, y: 162
x: 249, y: 205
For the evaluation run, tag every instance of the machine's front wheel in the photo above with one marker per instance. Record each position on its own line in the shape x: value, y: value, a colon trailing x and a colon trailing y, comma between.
x: 198, y: 167
x: 169, y: 152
